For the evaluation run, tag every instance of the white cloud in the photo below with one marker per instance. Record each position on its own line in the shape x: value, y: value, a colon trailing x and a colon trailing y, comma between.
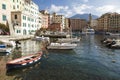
x: 85, y: 0
x: 69, y: 11
x: 108, y: 8
x: 81, y: 8
x: 55, y: 8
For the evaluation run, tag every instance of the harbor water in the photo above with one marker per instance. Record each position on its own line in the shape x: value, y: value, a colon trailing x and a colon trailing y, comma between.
x: 90, y: 60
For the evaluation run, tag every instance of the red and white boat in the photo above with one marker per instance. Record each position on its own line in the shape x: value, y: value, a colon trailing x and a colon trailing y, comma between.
x: 24, y: 61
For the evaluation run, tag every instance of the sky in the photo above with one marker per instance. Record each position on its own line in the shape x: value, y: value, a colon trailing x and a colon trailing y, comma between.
x: 72, y: 7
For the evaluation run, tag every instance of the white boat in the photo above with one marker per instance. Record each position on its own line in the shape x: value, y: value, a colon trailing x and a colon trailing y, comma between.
x: 42, y: 38
x: 65, y: 40
x: 60, y: 46
x: 115, y: 44
x: 88, y: 31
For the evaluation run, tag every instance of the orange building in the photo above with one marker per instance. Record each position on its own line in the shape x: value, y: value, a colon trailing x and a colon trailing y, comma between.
x: 77, y: 24
x: 109, y: 22
x: 55, y: 27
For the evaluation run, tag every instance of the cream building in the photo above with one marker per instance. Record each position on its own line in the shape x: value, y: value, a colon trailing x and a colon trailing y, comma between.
x: 109, y: 22
x: 94, y: 23
x: 44, y: 15
x: 59, y: 19
x: 25, y: 17
x: 5, y: 11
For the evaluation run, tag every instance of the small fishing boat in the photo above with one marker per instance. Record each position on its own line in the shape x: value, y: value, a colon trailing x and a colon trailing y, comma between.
x: 24, y: 61
x: 88, y: 31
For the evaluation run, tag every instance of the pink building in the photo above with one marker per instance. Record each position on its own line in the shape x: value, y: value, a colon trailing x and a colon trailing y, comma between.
x: 44, y: 15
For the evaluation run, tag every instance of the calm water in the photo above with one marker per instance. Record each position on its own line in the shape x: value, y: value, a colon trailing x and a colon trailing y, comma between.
x: 89, y: 61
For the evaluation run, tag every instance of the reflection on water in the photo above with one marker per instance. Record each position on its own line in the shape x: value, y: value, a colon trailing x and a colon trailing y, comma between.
x: 89, y: 61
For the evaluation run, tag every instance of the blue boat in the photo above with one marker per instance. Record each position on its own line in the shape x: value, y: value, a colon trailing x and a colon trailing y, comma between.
x: 4, y: 49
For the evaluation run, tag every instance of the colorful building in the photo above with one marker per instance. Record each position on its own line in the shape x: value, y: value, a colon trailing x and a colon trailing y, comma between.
x: 109, y: 22
x: 5, y: 11
x: 25, y: 17
x: 77, y: 24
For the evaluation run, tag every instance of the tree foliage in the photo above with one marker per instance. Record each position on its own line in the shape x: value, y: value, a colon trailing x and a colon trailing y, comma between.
x: 4, y: 27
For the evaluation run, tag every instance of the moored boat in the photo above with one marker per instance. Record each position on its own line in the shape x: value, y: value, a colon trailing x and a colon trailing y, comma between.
x: 61, y: 46
x: 24, y: 61
x: 116, y: 44
x: 4, y: 49
x: 72, y: 40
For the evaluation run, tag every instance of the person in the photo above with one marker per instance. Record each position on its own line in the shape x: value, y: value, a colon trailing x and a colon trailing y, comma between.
x: 17, y: 42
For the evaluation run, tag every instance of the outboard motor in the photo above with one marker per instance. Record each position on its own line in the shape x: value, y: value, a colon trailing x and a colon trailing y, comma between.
x: 110, y: 44
x: 103, y: 41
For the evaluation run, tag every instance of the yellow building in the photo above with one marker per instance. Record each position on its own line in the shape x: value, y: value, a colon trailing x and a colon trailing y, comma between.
x: 109, y: 22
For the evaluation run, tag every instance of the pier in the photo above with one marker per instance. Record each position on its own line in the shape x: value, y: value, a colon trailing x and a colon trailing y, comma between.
x: 6, y: 39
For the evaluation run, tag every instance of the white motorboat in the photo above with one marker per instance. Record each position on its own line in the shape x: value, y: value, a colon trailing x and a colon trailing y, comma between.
x: 65, y: 40
x: 60, y: 46
x: 42, y: 38
x: 88, y: 31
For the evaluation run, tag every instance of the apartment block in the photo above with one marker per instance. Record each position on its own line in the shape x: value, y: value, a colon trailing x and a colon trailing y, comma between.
x: 25, y: 17
x: 94, y: 23
x: 77, y: 24
x: 67, y: 26
x: 109, y: 22
x: 44, y: 16
x: 59, y: 19
x: 5, y: 11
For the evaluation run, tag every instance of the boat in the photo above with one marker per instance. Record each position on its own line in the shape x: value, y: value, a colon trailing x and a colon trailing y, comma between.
x: 24, y: 61
x: 115, y: 44
x: 42, y: 38
x: 65, y: 40
x: 5, y: 49
x: 88, y: 31
x: 61, y: 46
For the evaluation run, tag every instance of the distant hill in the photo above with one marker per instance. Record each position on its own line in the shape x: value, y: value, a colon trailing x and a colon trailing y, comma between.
x: 83, y: 16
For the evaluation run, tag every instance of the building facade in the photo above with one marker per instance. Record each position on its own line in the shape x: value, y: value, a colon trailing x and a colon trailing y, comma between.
x: 59, y: 19
x: 77, y: 24
x: 44, y: 15
x: 67, y: 26
x: 25, y: 17
x: 109, y: 22
x: 5, y: 11
x: 94, y: 23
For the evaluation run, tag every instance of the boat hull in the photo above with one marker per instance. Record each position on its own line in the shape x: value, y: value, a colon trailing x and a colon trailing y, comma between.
x: 13, y: 66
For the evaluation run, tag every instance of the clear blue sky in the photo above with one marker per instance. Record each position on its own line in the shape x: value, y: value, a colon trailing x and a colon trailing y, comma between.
x: 71, y: 7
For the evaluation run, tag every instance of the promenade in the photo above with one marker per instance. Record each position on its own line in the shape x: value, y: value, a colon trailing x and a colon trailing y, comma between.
x: 7, y: 39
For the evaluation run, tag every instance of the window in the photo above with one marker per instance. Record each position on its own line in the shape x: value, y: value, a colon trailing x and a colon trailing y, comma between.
x: 18, y: 6
x: 15, y: 16
x: 14, y: 7
x: 18, y: 31
x: 3, y: 6
x: 24, y: 17
x: 4, y: 17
